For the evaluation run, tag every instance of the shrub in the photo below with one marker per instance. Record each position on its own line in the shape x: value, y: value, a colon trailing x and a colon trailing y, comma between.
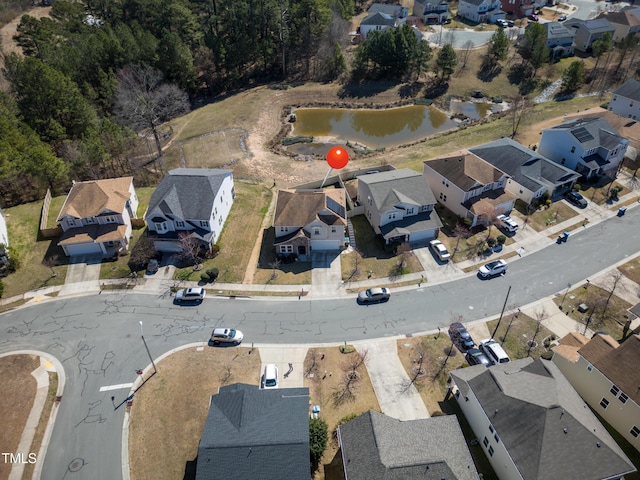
x: 213, y: 274
x: 318, y: 437
x: 205, y: 277
x: 501, y: 239
x: 491, y: 242
x: 215, y: 249
x: 577, y: 187
x: 143, y: 251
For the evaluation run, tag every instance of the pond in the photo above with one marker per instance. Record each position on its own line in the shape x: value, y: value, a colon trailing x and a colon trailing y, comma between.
x: 373, y: 128
x: 474, y: 110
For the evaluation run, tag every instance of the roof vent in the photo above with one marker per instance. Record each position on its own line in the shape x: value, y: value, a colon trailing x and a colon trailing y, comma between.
x: 565, y: 430
x: 598, y: 444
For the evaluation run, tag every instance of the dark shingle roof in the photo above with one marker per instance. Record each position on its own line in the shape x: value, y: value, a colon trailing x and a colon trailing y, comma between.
x: 591, y: 132
x: 254, y: 433
x: 298, y: 208
x: 379, y: 18
x: 390, y: 188
x: 629, y: 89
x: 378, y: 447
x: 548, y: 430
x: 528, y: 168
x: 558, y: 30
x: 465, y: 170
x: 187, y: 193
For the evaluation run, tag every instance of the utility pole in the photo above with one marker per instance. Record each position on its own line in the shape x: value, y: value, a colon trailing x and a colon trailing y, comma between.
x: 501, y: 313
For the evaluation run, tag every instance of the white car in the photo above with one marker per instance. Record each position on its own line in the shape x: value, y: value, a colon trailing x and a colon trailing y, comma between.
x: 438, y: 249
x: 494, y: 351
x: 194, y: 294
x: 507, y: 223
x: 226, y: 335
x: 491, y: 269
x: 374, y: 295
x: 270, y: 376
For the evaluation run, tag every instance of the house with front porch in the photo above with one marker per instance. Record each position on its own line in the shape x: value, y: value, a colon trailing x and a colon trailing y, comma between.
x: 559, y: 39
x: 431, y: 11
x: 309, y: 220
x: 192, y: 202
x: 481, y: 11
x: 96, y: 217
x: 605, y: 373
x: 530, y: 175
x: 399, y: 205
x: 589, y: 146
x: 625, y: 100
x: 469, y: 187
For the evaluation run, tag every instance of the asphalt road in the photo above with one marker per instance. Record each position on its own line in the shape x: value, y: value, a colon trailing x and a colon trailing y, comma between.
x: 97, y: 338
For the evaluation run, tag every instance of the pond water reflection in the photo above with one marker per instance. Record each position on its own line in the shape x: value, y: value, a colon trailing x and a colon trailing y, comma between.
x: 474, y: 110
x: 373, y: 128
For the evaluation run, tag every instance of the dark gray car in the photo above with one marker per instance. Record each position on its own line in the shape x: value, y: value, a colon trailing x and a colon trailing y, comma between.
x: 477, y: 357
x: 576, y: 199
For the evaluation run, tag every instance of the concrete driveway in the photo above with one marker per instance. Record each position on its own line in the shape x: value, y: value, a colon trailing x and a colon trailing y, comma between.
x: 83, y: 275
x: 326, y: 273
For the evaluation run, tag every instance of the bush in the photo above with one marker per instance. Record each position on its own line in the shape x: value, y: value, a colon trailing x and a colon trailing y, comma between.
x: 318, y: 437
x: 213, y: 274
x: 491, y: 242
x: 501, y: 239
x: 215, y: 249
x: 143, y: 251
x: 577, y: 187
x: 205, y: 277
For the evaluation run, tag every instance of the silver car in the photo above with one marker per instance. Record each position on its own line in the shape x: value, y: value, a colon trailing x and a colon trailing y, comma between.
x: 374, y: 295
x: 226, y: 335
x: 438, y: 248
x: 194, y: 294
x: 491, y: 269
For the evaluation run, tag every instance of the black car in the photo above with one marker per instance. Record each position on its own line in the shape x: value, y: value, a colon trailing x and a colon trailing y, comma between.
x: 576, y: 199
x: 477, y: 357
x: 460, y: 336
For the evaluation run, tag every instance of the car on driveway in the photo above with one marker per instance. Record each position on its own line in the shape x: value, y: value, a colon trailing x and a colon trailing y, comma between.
x: 270, y: 378
x: 562, y: 18
x: 226, y: 335
x: 576, y: 199
x: 506, y: 222
x: 194, y: 294
x: 152, y: 266
x: 374, y: 295
x: 502, y: 23
x: 439, y: 250
x: 476, y: 356
x: 491, y: 269
x: 510, y: 23
x: 494, y: 351
x: 533, y: 17
x: 460, y: 336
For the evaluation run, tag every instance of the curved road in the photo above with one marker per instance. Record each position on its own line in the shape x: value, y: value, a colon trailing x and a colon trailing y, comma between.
x: 97, y: 338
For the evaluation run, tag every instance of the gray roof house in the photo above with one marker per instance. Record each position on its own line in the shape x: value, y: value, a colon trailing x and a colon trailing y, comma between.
x: 375, y: 446
x: 397, y: 11
x: 377, y: 21
x: 559, y: 39
x: 190, y: 202
x: 625, y: 100
x: 531, y: 174
x: 626, y: 22
x: 399, y: 205
x: 587, y: 31
x: 534, y: 425
x: 431, y: 11
x: 255, y: 433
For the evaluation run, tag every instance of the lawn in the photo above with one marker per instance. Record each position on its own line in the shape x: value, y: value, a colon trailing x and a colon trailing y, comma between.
x: 598, y: 193
x: 518, y: 336
x: 546, y: 217
x: 271, y: 271
x: 631, y: 269
x: 601, y: 316
x: 238, y: 236
x: 371, y: 259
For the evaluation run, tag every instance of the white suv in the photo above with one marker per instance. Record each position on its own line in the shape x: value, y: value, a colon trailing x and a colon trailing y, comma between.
x: 226, y: 335
x: 507, y: 223
x: 494, y: 351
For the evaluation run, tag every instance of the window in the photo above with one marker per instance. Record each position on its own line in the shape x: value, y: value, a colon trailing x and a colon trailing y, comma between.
x: 369, y: 200
x: 635, y: 431
x: 334, y: 229
x: 110, y: 219
x: 604, y: 403
x: 491, y: 451
x: 614, y: 390
x: 409, y: 211
x: 71, y: 222
x: 286, y: 248
x: 161, y: 226
x: 392, y: 216
x: 573, y: 149
x: 589, y: 367
x: 204, y: 223
x: 563, y: 161
x: 623, y: 398
x: 316, y: 230
x: 485, y: 441
x: 179, y: 224
x: 284, y: 229
x: 491, y: 428
x: 445, y: 182
x: 495, y: 435
x: 89, y: 220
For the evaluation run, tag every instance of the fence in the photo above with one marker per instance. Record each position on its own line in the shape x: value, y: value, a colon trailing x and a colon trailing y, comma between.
x: 44, y: 231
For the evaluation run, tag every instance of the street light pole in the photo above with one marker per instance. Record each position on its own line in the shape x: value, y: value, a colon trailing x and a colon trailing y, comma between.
x: 147, y: 348
x: 501, y: 313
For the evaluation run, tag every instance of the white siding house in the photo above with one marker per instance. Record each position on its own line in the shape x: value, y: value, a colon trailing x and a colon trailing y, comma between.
x: 625, y: 100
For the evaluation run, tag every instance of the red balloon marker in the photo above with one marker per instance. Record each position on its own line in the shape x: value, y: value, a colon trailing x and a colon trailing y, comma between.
x: 337, y: 157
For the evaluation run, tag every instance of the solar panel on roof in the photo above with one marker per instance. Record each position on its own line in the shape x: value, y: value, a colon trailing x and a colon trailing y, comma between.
x: 335, y: 207
x: 582, y: 134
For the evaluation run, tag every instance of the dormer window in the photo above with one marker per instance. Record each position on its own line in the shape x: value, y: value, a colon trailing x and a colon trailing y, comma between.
x: 161, y: 227
x: 71, y: 222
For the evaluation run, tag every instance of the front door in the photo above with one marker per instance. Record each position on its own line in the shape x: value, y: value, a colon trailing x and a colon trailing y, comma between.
x: 302, y: 250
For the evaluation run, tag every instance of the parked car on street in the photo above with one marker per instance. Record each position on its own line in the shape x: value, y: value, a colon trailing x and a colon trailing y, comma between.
x: 374, y: 295
x: 226, y: 335
x: 270, y: 376
x: 576, y: 199
x: 460, y: 336
x: 194, y: 294
x: 506, y: 222
x: 502, y: 23
x: 476, y: 356
x: 494, y: 351
x: 491, y: 269
x: 439, y: 250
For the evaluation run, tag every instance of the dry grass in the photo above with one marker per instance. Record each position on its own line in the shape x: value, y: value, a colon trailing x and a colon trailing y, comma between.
x: 355, y: 267
x: 170, y: 410
x: 599, y: 193
x: 631, y: 269
x: 516, y: 330
x: 18, y: 393
x: 215, y: 150
x: 324, y: 378
x: 544, y: 218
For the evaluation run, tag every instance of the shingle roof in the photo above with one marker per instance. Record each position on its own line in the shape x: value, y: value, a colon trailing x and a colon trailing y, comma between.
x: 187, y: 193
x: 375, y: 446
x: 618, y: 362
x: 591, y: 132
x: 558, y: 30
x: 298, y: 208
x: 109, y: 232
x: 391, y: 10
x: 597, y: 25
x: 254, y: 433
x: 390, y: 188
x: 628, y: 18
x: 526, y: 167
x: 412, y: 223
x: 91, y: 198
x: 379, y: 18
x: 475, y: 2
x: 629, y: 89
x: 465, y: 170
x: 546, y: 427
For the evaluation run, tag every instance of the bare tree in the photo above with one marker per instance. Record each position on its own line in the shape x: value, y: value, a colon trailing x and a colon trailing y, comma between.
x: 145, y: 101
x: 512, y: 318
x: 614, y: 277
x: 275, y: 265
x: 418, y: 370
x: 225, y: 373
x: 520, y: 108
x: 460, y: 231
x: 468, y: 45
x: 350, y: 377
x: 541, y: 316
x: 191, y: 248
x: 51, y: 262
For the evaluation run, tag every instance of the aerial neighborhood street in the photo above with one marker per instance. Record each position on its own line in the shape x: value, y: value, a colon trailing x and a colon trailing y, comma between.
x: 320, y: 240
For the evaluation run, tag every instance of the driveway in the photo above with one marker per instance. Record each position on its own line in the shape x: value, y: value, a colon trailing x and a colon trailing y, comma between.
x: 83, y: 275
x: 326, y: 273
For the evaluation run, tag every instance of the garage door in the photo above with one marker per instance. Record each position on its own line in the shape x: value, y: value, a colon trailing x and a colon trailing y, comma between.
x: 321, y: 245
x: 82, y: 249
x: 423, y: 235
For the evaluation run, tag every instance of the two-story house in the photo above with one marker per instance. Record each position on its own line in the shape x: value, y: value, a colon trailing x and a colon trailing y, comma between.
x: 626, y: 22
x: 399, y: 205
x: 589, y: 146
x: 559, y: 39
x: 190, y: 201
x: 533, y: 425
x: 518, y: 8
x: 397, y: 11
x: 480, y: 11
x: 96, y: 217
x: 588, y: 31
x: 468, y: 186
x: 605, y: 373
x: 530, y: 175
x: 625, y: 100
x: 309, y: 220
x: 431, y: 11
x: 377, y: 21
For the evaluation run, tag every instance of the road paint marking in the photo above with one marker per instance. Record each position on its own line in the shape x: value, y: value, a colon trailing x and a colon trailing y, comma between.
x: 115, y: 387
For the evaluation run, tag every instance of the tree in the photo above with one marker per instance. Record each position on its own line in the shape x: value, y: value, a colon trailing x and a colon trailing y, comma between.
x: 446, y: 62
x: 190, y: 248
x: 601, y: 45
x: 534, y: 48
x: 318, y: 437
x: 468, y: 46
x: 541, y: 316
x: 520, y: 108
x: 573, y: 76
x: 145, y: 101
x: 498, y: 46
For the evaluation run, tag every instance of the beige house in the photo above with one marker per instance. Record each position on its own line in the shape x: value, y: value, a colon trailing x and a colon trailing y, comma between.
x: 605, y: 373
x: 96, y: 217
x: 309, y: 220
